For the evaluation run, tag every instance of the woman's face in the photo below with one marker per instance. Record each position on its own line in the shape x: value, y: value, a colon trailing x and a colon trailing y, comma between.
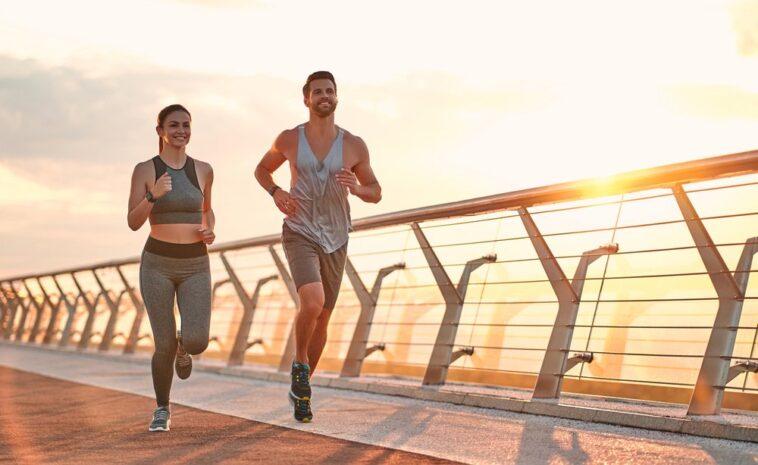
x: 176, y: 129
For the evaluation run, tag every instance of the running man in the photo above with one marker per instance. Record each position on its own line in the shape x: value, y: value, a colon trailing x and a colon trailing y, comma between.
x: 326, y: 163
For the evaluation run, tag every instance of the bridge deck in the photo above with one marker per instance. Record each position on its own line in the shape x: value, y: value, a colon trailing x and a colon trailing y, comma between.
x: 68, y: 407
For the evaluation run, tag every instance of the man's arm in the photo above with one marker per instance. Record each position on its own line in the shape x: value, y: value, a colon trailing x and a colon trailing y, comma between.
x: 361, y: 181
x: 270, y: 162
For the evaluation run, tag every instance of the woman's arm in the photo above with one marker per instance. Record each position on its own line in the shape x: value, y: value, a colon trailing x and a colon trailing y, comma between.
x: 139, y: 207
x: 209, y: 218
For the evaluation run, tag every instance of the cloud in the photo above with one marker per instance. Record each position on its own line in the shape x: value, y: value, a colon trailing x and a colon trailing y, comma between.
x: 69, y: 142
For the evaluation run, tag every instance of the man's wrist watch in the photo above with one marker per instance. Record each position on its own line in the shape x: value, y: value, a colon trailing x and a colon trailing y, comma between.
x: 273, y: 189
x: 150, y: 198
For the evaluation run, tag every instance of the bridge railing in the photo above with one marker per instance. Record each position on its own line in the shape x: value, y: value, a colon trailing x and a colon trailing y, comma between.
x: 636, y: 285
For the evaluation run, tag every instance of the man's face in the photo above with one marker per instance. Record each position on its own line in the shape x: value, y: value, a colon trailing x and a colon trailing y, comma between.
x: 322, y: 98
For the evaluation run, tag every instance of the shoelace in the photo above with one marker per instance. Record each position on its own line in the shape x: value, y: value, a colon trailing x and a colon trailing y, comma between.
x: 183, y: 360
x: 301, y: 376
x: 160, y: 415
x: 303, y: 407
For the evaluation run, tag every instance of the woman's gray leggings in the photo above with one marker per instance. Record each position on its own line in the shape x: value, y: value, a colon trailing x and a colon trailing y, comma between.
x: 161, y: 278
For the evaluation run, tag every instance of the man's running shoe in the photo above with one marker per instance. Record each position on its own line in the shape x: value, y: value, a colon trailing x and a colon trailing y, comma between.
x: 300, y: 392
x: 161, y: 420
x: 183, y: 364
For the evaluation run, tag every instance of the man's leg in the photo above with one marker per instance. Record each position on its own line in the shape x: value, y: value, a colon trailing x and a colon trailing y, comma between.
x: 311, y: 297
x: 332, y: 268
x: 318, y: 339
x: 311, y: 305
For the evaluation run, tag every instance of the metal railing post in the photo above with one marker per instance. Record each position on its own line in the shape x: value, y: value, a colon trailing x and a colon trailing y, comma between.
x: 442, y: 353
x: 24, y: 313
x: 714, y: 371
x: 37, y: 317
x: 54, y: 311
x: 241, y: 344
x: 139, y: 311
x: 289, y: 349
x: 358, y: 351
x: 105, y: 342
x: 11, y: 300
x: 91, y: 312
x: 71, y: 310
x: 556, y: 360
x: 4, y: 310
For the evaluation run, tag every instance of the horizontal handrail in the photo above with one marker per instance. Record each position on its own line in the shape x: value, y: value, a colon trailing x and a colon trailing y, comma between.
x: 631, y: 181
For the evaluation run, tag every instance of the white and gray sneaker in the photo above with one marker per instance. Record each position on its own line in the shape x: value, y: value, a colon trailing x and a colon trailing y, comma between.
x: 161, y: 420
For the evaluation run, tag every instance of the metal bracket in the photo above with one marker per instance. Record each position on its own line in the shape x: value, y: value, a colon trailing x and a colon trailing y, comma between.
x: 370, y: 350
x: 253, y: 343
x: 576, y: 359
x: 742, y: 366
x: 461, y: 352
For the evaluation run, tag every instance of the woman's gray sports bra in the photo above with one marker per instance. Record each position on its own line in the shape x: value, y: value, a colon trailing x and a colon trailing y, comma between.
x: 183, y: 204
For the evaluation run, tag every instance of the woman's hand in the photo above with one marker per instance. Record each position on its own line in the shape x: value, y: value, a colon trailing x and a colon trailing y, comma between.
x: 207, y: 235
x: 162, y: 186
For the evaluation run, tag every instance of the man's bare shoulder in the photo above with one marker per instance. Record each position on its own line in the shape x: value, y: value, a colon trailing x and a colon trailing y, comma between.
x: 354, y: 143
x: 286, y: 140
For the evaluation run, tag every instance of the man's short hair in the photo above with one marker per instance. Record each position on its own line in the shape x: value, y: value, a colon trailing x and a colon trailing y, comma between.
x: 318, y: 75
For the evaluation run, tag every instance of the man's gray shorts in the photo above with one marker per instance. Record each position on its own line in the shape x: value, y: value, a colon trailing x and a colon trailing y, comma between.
x: 310, y: 264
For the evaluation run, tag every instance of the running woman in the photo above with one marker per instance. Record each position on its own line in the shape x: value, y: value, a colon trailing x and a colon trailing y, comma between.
x: 173, y: 191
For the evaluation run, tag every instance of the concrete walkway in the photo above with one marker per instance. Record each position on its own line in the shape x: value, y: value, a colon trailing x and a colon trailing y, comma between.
x: 453, y: 432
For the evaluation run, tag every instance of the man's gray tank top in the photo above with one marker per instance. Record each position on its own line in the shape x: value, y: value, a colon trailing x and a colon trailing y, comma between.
x: 183, y: 204
x: 323, y: 213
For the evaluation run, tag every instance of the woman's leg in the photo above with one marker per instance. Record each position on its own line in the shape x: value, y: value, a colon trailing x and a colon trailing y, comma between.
x: 194, y: 298
x: 158, y: 294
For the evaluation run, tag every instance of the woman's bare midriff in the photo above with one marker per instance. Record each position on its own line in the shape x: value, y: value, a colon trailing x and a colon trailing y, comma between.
x: 176, y: 233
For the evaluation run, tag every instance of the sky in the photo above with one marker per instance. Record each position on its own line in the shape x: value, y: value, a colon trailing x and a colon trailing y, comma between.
x: 481, y: 97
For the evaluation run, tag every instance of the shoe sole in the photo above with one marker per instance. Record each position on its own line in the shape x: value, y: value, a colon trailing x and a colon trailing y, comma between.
x: 154, y: 430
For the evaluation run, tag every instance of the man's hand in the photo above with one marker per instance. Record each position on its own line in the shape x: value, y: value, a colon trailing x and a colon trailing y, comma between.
x: 347, y: 179
x: 207, y: 235
x: 285, y: 202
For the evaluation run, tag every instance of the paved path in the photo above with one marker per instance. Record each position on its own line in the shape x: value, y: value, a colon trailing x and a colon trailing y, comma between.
x: 457, y: 433
x: 44, y: 420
